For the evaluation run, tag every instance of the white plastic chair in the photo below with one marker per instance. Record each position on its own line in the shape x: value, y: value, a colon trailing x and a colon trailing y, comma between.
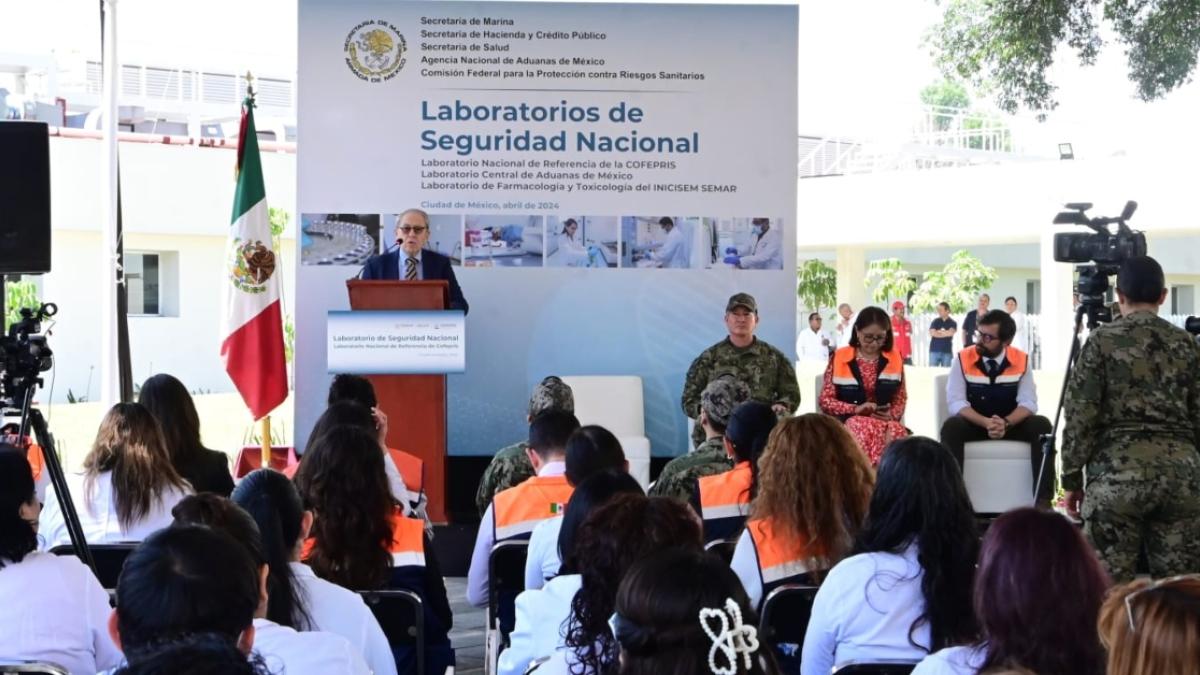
x: 615, y: 403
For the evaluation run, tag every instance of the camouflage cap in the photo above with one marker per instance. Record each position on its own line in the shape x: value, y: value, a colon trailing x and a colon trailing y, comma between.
x: 721, y: 396
x: 551, y: 394
x: 741, y: 300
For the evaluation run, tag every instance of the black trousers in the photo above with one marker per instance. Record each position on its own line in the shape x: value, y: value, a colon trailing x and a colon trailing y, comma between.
x: 957, y: 431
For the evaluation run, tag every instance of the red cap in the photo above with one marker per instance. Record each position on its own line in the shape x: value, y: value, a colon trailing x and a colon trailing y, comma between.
x: 899, y: 304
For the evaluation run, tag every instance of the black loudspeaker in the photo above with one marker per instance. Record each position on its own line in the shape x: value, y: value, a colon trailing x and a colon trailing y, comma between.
x: 24, y: 198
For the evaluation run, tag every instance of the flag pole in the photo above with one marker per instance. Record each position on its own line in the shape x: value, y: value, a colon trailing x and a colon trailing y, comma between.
x: 266, y: 419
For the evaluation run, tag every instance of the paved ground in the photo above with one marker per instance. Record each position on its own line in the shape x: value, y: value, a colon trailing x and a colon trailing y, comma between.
x: 467, y: 636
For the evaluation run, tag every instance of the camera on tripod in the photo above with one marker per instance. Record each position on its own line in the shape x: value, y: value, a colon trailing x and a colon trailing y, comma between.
x: 1104, y: 249
x: 24, y: 354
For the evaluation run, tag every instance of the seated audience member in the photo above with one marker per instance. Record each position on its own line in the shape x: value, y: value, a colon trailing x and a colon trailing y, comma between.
x: 511, y: 466
x: 1038, y: 592
x: 537, y: 607
x: 282, y: 647
x: 1153, y: 627
x: 361, y: 539
x: 514, y: 512
x: 590, y: 450
x: 300, y: 599
x: 185, y: 584
x: 412, y: 469
x: 127, y: 487
x: 374, y: 423
x: 907, y: 590
x: 169, y: 401
x: 990, y: 393
x: 864, y: 384
x: 813, y: 489
x: 197, y: 655
x: 666, y: 607
x: 723, y: 500
x: 717, y: 401
x: 54, y: 608
x: 628, y: 528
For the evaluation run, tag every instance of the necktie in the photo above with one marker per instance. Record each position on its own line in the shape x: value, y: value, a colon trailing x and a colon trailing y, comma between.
x: 410, y: 269
x: 993, y: 369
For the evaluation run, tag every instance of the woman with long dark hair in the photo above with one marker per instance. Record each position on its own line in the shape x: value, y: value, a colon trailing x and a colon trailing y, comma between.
x: 128, y: 485
x: 361, y: 539
x: 169, y: 401
x: 906, y: 591
x: 724, y: 498
x: 864, y: 384
x: 298, y: 598
x: 1038, y: 592
x: 54, y: 609
x: 665, y: 603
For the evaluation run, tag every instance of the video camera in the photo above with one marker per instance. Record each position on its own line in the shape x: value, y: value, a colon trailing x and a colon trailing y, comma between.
x: 24, y: 354
x: 1104, y: 249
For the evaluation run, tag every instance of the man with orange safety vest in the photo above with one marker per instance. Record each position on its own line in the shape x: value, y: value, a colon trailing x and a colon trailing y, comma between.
x: 990, y: 394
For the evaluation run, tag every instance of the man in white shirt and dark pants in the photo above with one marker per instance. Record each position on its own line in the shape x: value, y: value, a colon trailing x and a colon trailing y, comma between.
x: 813, y: 343
x: 991, y: 395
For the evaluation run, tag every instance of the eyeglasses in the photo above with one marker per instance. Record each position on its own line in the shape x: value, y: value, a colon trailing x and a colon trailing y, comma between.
x: 985, y: 338
x: 872, y: 337
x: 1152, y: 587
x: 413, y: 229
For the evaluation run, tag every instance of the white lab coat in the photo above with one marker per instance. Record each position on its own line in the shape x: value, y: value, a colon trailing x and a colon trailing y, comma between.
x: 336, y: 610
x: 1021, y: 338
x: 309, y: 653
x: 673, y: 253
x: 540, y: 628
x: 542, y: 562
x: 98, y: 513
x: 573, y: 251
x: 767, y: 253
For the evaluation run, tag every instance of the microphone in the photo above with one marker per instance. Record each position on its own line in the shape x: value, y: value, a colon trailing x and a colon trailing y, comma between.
x: 386, y: 251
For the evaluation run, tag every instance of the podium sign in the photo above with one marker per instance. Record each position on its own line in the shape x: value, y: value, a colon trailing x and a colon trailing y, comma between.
x: 396, y: 342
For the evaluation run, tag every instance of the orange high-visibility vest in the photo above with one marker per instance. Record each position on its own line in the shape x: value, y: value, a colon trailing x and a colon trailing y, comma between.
x: 988, y: 397
x: 781, y: 559
x: 411, y: 468
x: 408, y: 542
x: 725, y: 501
x: 517, y: 510
x: 847, y: 380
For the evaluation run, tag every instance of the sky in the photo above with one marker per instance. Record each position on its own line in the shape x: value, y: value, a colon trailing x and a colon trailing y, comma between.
x: 858, y: 78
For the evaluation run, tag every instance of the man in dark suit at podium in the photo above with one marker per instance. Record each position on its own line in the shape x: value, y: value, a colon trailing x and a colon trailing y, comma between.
x: 412, y: 261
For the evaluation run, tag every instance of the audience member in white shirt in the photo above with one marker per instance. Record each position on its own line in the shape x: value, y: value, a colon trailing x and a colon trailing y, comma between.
x: 284, y: 649
x: 1021, y: 338
x: 590, y: 450
x: 626, y: 529
x: 813, y: 343
x: 128, y: 485
x: 299, y: 599
x: 907, y: 591
x: 845, y: 327
x: 54, y: 609
x: 1038, y: 592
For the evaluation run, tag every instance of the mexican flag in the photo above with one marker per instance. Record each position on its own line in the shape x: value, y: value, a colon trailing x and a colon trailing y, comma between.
x: 253, y: 321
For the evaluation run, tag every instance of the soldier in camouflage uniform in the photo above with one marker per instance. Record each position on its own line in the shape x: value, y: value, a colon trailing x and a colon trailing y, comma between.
x: 763, y: 368
x: 1133, y: 427
x: 510, y: 465
x: 717, y: 401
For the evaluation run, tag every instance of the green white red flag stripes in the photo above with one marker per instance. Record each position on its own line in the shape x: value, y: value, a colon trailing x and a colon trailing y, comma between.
x: 253, y: 321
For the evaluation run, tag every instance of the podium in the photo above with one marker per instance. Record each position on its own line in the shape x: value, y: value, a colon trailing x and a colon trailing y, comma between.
x: 415, y: 405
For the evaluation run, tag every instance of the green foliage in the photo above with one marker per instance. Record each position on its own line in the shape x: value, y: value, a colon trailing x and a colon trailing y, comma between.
x: 891, y: 279
x: 945, y: 94
x: 279, y: 219
x: 72, y: 398
x: 289, y: 338
x: 18, y: 294
x: 958, y: 284
x: 1007, y: 47
x: 816, y: 285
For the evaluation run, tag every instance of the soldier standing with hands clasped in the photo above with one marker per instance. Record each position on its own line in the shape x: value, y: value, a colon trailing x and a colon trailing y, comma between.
x: 1130, y: 464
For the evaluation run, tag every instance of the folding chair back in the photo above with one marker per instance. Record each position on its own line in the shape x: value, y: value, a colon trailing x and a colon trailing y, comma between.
x: 506, y: 580
x: 32, y: 668
x: 722, y: 548
x: 110, y: 558
x: 402, y: 618
x: 882, y: 668
x: 785, y: 614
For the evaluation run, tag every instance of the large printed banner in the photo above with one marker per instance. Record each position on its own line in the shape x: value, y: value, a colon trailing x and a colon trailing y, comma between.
x: 602, y: 177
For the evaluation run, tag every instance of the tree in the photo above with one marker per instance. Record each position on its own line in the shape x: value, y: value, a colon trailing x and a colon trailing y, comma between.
x: 945, y: 94
x: 893, y: 281
x: 957, y: 284
x: 1006, y: 47
x: 816, y: 285
x: 18, y: 294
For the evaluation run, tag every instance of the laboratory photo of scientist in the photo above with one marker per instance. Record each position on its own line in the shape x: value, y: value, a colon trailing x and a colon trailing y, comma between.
x: 582, y: 241
x: 504, y: 241
x: 747, y: 243
x: 666, y: 242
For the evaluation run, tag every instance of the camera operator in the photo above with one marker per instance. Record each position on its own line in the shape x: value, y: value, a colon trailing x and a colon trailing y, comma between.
x: 1133, y: 426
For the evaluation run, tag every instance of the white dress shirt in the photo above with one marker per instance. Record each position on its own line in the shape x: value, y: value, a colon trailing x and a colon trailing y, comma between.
x: 54, y: 610
x: 540, y: 629
x: 98, y: 513
x: 402, y: 262
x: 673, y: 253
x: 864, y: 611
x: 767, y: 253
x: 336, y: 610
x: 1021, y: 337
x: 956, y: 387
x: 542, y: 562
x: 966, y: 660
x: 477, y: 575
x: 310, y: 653
x: 809, y: 346
x: 847, y: 326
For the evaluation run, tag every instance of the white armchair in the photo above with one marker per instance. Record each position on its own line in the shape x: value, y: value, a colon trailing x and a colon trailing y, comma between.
x: 615, y: 403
